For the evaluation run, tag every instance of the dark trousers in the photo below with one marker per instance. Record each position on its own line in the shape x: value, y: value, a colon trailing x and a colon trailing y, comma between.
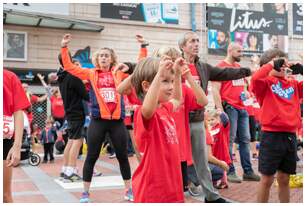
x: 48, y: 150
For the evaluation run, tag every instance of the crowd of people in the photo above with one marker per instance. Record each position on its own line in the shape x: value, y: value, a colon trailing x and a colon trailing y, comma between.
x: 155, y: 108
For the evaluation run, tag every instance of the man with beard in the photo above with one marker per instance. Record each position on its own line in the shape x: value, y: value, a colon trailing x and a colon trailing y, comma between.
x: 202, y: 73
x: 222, y: 39
x: 230, y: 96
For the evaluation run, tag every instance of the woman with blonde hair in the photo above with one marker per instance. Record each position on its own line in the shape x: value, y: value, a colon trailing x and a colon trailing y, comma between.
x: 107, y: 112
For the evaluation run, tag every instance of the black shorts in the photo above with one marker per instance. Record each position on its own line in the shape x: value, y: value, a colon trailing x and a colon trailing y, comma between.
x: 7, y: 145
x: 277, y: 151
x: 75, y: 129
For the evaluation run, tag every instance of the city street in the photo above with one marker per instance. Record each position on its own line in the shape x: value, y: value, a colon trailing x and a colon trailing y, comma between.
x: 42, y: 184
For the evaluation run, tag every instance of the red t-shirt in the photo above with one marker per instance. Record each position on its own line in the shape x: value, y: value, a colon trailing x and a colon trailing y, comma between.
x: 14, y: 99
x: 57, y: 107
x: 181, y: 116
x: 209, y: 140
x: 158, y: 177
x: 231, y: 90
x: 220, y: 137
x: 132, y: 97
x: 195, y: 74
x: 107, y: 89
x: 279, y: 100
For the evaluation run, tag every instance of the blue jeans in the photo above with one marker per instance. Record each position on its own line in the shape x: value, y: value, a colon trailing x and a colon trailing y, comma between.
x: 240, y: 133
x: 216, y: 172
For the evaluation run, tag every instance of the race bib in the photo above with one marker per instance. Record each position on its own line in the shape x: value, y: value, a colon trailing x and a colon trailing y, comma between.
x: 214, y: 132
x: 238, y: 82
x: 8, y: 127
x: 108, y: 94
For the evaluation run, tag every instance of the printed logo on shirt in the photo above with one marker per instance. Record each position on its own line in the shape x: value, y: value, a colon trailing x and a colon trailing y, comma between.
x: 170, y: 130
x: 281, y: 92
x: 238, y: 82
x: 106, y: 80
x: 214, y: 132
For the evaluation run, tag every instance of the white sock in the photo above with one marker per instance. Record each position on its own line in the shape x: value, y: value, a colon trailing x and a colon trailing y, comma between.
x: 64, y: 169
x: 69, y: 171
x: 75, y: 170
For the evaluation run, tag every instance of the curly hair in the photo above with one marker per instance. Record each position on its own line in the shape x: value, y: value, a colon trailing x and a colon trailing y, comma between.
x: 114, y: 57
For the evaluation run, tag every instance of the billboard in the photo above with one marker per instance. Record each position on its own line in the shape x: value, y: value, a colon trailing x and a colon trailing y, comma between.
x: 251, y: 29
x: 297, y: 13
x: 149, y: 13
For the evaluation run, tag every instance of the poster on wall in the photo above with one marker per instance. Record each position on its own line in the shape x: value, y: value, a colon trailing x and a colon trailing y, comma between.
x: 149, y: 13
x: 297, y: 13
x: 246, y: 27
x: 15, y: 45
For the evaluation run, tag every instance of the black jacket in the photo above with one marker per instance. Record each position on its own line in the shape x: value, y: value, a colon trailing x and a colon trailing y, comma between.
x: 73, y: 93
x: 211, y: 73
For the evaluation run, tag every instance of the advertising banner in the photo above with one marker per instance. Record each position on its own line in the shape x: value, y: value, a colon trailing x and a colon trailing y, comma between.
x: 151, y: 13
x: 297, y: 19
x: 251, y: 29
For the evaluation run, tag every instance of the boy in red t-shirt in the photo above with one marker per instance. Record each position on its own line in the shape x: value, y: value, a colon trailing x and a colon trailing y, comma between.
x: 158, y: 177
x: 279, y: 98
x: 219, y: 130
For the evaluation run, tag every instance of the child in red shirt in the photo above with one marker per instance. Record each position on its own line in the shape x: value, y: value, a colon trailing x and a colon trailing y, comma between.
x: 157, y: 178
x: 279, y: 98
x: 219, y: 129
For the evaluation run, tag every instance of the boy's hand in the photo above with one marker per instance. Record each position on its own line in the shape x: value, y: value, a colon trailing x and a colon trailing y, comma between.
x: 278, y: 64
x: 165, y: 64
x: 179, y: 65
x: 224, y: 166
x: 66, y: 39
x: 297, y: 68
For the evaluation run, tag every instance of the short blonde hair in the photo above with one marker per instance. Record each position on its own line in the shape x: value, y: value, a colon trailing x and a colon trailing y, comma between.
x: 145, y: 70
x: 95, y: 56
x: 172, y: 52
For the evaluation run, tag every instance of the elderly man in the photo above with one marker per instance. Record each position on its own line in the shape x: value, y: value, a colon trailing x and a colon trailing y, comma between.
x: 230, y: 96
x: 203, y: 72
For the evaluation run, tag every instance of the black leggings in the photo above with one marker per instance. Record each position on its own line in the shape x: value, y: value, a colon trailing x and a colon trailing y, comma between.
x: 96, y: 136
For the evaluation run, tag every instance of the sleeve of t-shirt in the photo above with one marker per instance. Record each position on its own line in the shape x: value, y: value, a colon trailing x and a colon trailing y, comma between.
x: 19, y: 97
x: 190, y: 100
x: 132, y: 97
x: 208, y: 138
x: 142, y: 125
x: 34, y: 98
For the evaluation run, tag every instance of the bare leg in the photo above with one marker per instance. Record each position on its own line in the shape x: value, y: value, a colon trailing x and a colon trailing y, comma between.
x: 264, y: 188
x: 283, y: 187
x: 74, y: 151
x: 7, y: 183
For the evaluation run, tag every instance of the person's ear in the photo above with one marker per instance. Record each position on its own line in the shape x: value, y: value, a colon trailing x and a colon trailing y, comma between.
x: 145, y: 86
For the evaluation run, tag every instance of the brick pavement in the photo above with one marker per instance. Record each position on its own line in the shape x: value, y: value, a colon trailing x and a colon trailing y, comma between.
x: 26, y: 188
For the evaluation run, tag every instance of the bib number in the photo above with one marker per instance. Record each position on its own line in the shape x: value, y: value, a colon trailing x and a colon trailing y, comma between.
x: 8, y: 127
x: 108, y: 94
x: 238, y: 82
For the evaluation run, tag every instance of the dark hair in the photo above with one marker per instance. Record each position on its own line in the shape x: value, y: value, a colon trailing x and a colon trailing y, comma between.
x: 249, y: 36
x: 59, y: 57
x: 268, y: 55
